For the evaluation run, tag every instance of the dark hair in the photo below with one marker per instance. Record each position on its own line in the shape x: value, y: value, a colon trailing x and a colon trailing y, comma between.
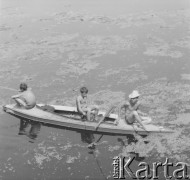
x: 83, y: 89
x: 23, y: 86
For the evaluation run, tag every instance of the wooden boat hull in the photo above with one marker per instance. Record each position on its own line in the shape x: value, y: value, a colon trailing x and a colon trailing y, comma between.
x: 50, y: 118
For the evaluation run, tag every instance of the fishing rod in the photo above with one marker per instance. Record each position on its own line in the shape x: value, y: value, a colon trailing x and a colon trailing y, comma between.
x: 3, y: 87
x: 99, y: 166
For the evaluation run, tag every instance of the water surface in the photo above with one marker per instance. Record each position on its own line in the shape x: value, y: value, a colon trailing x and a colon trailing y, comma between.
x: 112, y: 47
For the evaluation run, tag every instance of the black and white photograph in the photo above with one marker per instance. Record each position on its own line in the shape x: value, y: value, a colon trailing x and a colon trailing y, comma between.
x: 94, y: 89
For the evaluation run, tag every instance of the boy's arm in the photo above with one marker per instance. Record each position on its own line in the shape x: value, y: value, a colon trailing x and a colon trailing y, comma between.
x: 79, y: 106
x: 136, y: 106
x: 16, y: 96
x: 124, y: 105
x: 139, y: 120
x: 139, y: 111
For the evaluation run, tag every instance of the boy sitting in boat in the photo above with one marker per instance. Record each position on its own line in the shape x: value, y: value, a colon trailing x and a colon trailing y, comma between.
x: 132, y: 112
x: 26, y: 99
x: 83, y: 106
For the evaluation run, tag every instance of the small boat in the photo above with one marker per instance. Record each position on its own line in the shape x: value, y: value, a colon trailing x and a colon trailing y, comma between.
x: 68, y: 117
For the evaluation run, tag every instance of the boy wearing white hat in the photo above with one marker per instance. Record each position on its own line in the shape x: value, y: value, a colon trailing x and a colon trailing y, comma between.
x: 132, y: 113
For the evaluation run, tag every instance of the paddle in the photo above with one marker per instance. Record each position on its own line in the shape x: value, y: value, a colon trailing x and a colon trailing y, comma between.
x: 105, y: 115
x: 102, y: 119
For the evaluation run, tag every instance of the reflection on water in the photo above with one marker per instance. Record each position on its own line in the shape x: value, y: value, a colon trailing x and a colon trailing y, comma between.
x: 131, y: 139
x: 29, y: 128
x: 87, y: 137
x: 98, y: 164
x: 110, y: 46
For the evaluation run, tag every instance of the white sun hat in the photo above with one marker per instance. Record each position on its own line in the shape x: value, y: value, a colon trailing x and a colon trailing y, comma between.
x: 134, y: 94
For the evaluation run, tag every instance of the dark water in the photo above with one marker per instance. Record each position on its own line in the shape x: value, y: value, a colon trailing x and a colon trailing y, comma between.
x: 112, y: 47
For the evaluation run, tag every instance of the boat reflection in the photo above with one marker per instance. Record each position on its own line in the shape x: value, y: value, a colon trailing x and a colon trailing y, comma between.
x: 29, y: 128
x: 87, y: 137
x: 131, y: 139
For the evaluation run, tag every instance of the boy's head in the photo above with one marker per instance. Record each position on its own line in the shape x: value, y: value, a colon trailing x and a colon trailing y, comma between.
x: 23, y: 87
x: 83, y: 91
x: 134, y: 96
